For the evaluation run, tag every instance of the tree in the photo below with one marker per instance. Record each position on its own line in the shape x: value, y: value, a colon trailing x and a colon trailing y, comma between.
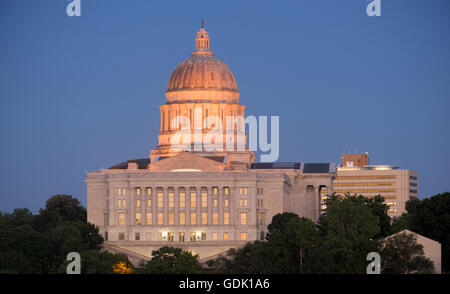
x: 431, y: 218
x: 401, y: 254
x: 279, y: 223
x: 348, y: 228
x: 67, y: 207
x: 303, y: 235
x: 170, y: 260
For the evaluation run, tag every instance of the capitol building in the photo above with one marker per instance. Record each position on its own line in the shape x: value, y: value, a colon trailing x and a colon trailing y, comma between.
x: 205, y: 200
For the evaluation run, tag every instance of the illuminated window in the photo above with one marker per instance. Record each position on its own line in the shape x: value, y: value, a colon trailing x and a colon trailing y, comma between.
x: 204, y: 218
x: 192, y: 236
x: 226, y: 191
x: 138, y: 202
x: 119, y: 191
x: 193, y: 218
x: 204, y: 199
x: 226, y: 218
x: 261, y: 218
x: 149, y: 218
x: 215, y: 202
x: 181, y: 237
x: 226, y: 203
x: 193, y: 199
x: 182, y: 198
x: 225, y: 236
x: 243, y: 236
x: 215, y: 190
x: 182, y: 217
x: 124, y: 192
x: 243, y: 191
x: 149, y: 191
x: 121, y: 203
x: 149, y: 202
x: 121, y: 219
x: 171, y: 218
x: 160, y: 218
x: 243, y: 218
x: 243, y: 202
x: 138, y: 191
x: 171, y: 198
x: 170, y: 237
x: 160, y: 198
x: 138, y: 218
x: 214, y: 236
x: 215, y: 216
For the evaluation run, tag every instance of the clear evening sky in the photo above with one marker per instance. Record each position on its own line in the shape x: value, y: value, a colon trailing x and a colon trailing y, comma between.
x: 82, y: 93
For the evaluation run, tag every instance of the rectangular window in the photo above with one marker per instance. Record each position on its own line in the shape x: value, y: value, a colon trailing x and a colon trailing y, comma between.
x: 121, y: 236
x: 215, y: 190
x: 261, y: 218
x: 226, y: 218
x: 243, y: 236
x: 160, y: 218
x: 182, y: 199
x: 121, y: 219
x: 226, y: 203
x: 193, y: 218
x: 149, y: 218
x: 226, y: 191
x: 138, y: 202
x: 215, y: 202
x: 193, y: 199
x: 181, y: 237
x: 160, y: 199
x: 243, y: 218
x: 192, y: 236
x: 204, y: 218
x: 119, y: 191
x: 225, y: 236
x: 106, y: 236
x: 149, y: 202
x: 138, y: 218
x: 149, y: 191
x: 204, y: 199
x: 243, y: 202
x: 171, y: 198
x: 124, y: 192
x: 214, y: 236
x: 182, y: 216
x: 138, y: 191
x: 171, y: 218
x: 137, y: 236
x: 215, y: 218
x: 203, y: 236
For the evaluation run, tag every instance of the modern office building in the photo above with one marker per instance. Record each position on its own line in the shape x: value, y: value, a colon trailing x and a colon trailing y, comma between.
x: 395, y: 185
x: 206, y: 200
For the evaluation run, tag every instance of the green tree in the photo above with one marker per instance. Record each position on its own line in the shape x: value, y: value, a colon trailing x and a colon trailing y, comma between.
x: 303, y: 236
x: 401, y: 254
x: 67, y: 207
x: 170, y: 260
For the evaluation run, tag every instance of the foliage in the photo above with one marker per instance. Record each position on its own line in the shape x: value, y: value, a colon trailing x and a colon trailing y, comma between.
x: 170, y: 260
x: 401, y: 254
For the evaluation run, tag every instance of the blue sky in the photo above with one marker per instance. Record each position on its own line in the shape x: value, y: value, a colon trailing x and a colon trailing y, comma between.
x: 82, y: 93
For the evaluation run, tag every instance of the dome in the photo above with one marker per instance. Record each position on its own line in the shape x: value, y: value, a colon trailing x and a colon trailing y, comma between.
x: 202, y: 77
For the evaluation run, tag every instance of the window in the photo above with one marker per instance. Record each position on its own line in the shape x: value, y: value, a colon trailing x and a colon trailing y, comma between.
x: 149, y: 218
x: 261, y: 218
x: 243, y: 218
x: 121, y: 219
x: 149, y: 191
x: 170, y: 236
x: 215, y: 216
x: 137, y: 236
x: 121, y: 236
x: 225, y: 236
x: 121, y: 191
x: 138, y: 218
x: 193, y: 199
x: 412, y: 177
x: 182, y: 198
x: 171, y: 198
x: 192, y: 236
x: 203, y: 236
x: 193, y: 218
x: 149, y: 202
x: 243, y: 191
x: 214, y: 236
x: 106, y: 219
x: 182, y: 216
x: 226, y: 190
x: 121, y: 203
x: 215, y: 190
x: 243, y: 202
x: 226, y: 218
x: 138, y: 191
x: 171, y: 218
x: 138, y: 202
x: 204, y: 199
x: 243, y: 236
x: 226, y: 203
x: 160, y: 218
x: 204, y: 218
x: 160, y: 198
x: 181, y: 237
x: 106, y: 236
x: 215, y: 202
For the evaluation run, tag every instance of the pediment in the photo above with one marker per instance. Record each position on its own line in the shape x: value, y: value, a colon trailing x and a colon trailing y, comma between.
x: 186, y: 162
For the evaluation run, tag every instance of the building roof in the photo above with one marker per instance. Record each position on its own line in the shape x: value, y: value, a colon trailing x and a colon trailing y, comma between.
x: 141, y: 162
x: 302, y: 166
